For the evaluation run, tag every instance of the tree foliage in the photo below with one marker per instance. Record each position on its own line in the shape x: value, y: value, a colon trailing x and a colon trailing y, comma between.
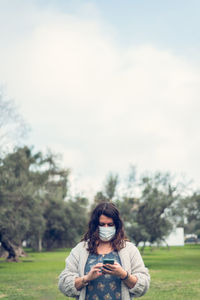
x: 33, y: 207
x: 109, y: 190
x: 149, y: 216
x: 192, y: 213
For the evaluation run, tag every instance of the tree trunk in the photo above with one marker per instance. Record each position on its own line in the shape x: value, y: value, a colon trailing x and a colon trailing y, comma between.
x: 40, y: 244
x: 142, y: 250
x: 14, y: 251
x: 168, y: 247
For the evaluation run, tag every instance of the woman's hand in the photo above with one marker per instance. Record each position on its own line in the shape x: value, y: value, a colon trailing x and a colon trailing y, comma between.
x: 115, y: 269
x: 94, y: 273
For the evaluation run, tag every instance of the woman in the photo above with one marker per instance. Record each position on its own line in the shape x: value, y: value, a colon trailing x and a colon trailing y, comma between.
x: 87, y: 277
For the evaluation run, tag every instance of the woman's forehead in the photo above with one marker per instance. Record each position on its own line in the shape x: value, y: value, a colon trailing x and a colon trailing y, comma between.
x: 105, y: 219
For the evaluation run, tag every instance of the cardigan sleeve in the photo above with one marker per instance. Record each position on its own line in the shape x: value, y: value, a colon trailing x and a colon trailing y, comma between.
x: 66, y: 282
x: 138, y: 269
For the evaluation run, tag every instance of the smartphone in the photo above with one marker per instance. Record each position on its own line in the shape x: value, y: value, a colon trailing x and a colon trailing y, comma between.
x: 108, y: 261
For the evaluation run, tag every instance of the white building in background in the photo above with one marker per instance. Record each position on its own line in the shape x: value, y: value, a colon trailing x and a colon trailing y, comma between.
x: 176, y: 237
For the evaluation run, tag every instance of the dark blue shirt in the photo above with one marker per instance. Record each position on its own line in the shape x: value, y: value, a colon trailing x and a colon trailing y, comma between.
x: 105, y: 287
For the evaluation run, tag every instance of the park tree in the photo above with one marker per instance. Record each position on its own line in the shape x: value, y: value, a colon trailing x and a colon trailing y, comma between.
x: 128, y: 207
x: 50, y: 195
x: 110, y: 187
x: 16, y: 199
x: 99, y: 197
x: 108, y: 191
x: 78, y: 211
x: 66, y: 222
x: 25, y: 182
x: 148, y: 216
x: 158, y: 197
x: 192, y: 213
x: 57, y: 222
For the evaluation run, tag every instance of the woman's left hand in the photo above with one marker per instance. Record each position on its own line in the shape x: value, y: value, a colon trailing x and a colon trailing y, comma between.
x: 115, y: 269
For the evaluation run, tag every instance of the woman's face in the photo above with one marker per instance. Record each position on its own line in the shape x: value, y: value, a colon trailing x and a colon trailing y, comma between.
x: 105, y: 221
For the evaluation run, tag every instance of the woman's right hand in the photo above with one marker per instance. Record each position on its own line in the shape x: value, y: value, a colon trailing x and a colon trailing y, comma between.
x: 94, y: 273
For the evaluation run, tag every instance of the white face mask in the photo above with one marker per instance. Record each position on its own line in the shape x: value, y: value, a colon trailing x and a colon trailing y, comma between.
x: 106, y: 233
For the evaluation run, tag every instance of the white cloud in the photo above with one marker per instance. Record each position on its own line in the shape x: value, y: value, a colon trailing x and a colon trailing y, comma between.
x: 102, y: 106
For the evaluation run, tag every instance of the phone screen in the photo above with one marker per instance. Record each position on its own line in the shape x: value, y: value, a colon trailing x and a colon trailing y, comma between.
x: 108, y: 261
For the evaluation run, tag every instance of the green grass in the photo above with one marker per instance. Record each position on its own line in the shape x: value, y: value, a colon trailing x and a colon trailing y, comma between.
x: 36, y: 277
x: 175, y: 275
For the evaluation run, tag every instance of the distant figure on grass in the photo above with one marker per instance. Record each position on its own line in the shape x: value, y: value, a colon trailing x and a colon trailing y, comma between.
x: 104, y: 265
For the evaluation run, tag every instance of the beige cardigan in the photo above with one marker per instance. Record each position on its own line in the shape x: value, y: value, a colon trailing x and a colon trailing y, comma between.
x: 131, y: 261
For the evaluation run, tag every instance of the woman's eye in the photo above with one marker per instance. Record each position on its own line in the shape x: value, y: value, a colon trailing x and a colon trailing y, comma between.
x: 103, y: 224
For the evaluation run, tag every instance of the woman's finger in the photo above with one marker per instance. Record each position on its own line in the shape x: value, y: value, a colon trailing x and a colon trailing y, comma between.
x: 97, y: 268
x: 111, y: 267
x: 106, y: 270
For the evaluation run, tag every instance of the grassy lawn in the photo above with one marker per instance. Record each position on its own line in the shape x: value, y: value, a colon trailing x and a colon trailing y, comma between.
x: 175, y: 275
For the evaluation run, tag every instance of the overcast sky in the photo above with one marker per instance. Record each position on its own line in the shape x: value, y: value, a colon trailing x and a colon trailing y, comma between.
x: 107, y: 84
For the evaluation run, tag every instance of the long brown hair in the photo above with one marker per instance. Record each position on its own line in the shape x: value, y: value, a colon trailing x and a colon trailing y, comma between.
x: 92, y: 235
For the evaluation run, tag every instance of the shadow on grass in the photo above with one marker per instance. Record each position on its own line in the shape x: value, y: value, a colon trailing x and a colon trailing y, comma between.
x: 2, y: 262
x: 8, y: 262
